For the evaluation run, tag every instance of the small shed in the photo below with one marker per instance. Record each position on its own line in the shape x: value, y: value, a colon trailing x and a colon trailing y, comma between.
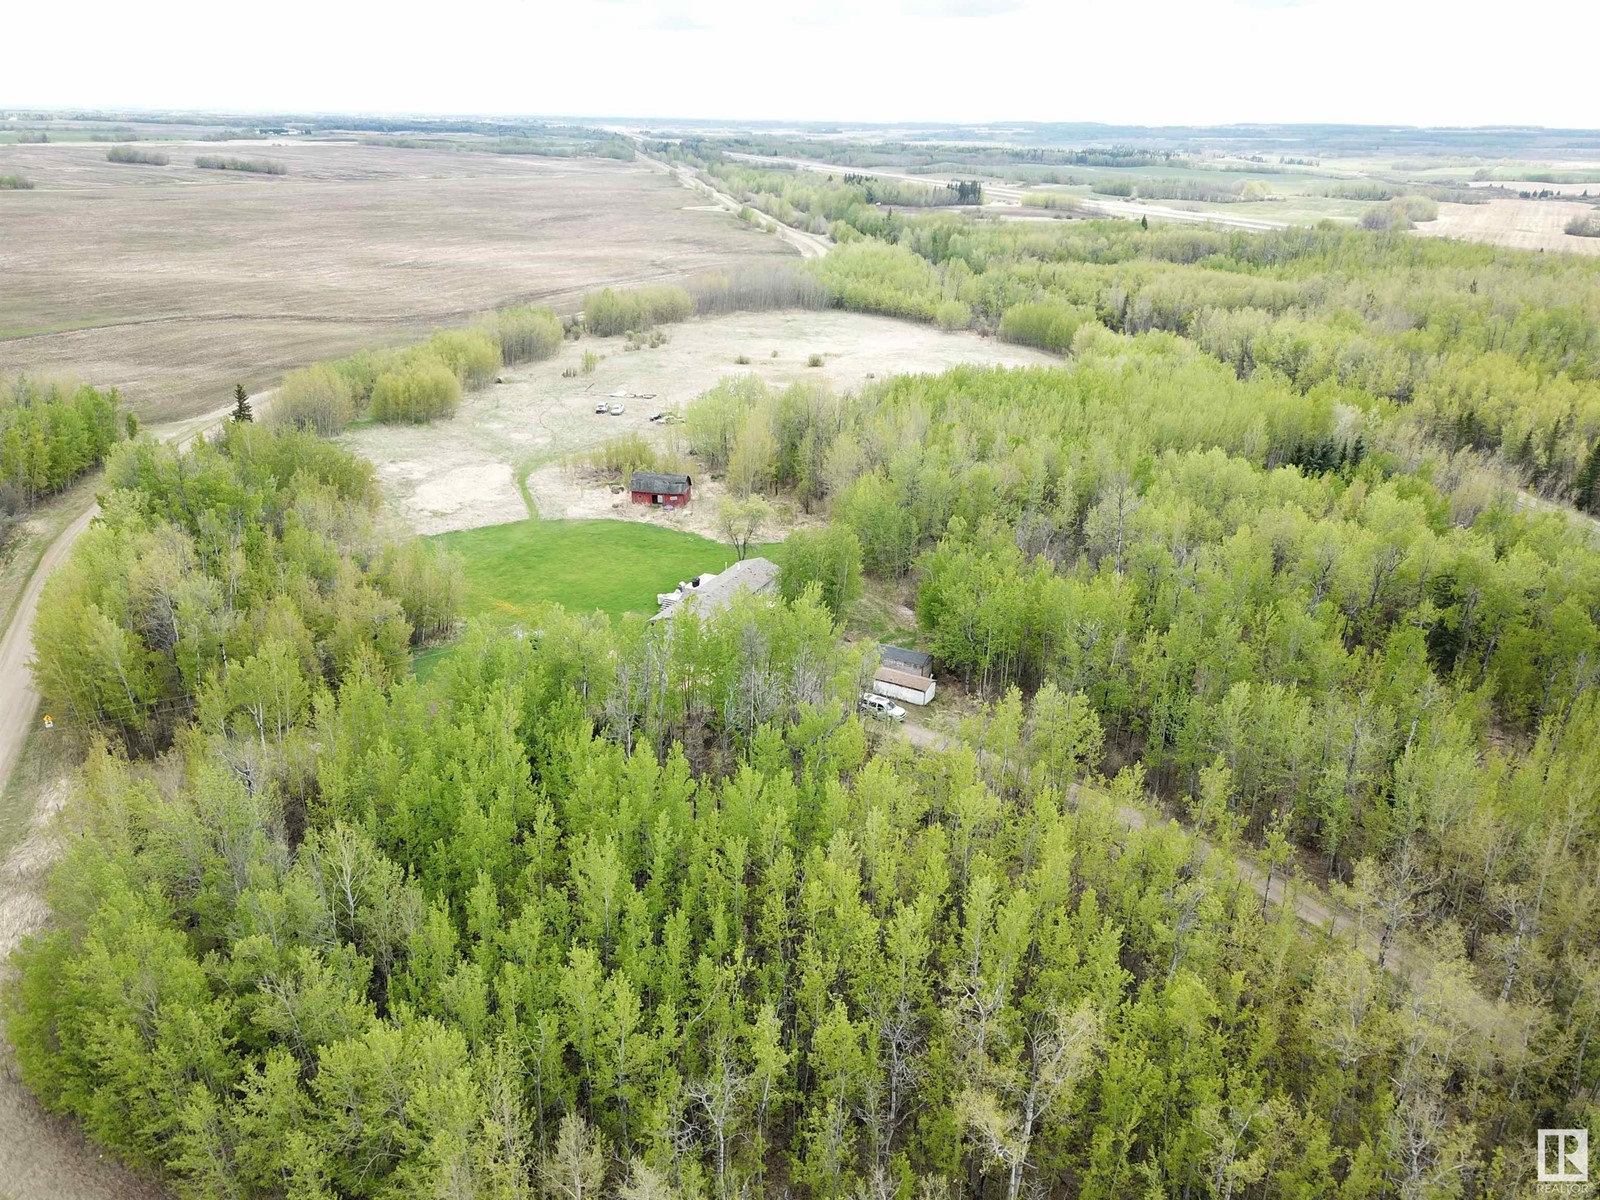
x: 915, y: 661
x: 903, y: 685
x: 660, y: 487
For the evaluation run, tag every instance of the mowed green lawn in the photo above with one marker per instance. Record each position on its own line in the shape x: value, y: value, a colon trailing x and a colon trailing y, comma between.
x: 616, y: 567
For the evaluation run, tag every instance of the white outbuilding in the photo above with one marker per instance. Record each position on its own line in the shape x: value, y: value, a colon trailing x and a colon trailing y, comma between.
x: 903, y: 685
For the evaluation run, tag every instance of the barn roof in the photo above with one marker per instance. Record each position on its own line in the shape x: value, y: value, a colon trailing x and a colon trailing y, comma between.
x: 662, y: 483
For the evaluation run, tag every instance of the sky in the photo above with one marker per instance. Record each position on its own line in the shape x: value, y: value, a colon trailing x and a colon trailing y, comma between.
x: 1414, y: 62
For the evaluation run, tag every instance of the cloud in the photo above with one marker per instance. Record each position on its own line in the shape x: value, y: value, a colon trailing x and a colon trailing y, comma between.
x: 677, y: 23
x: 961, y: 8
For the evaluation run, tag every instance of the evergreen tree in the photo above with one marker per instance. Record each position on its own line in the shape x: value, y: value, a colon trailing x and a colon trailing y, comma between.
x: 1586, y: 488
x: 241, y: 404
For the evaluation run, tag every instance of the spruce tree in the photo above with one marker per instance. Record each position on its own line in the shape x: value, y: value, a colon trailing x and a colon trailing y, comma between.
x: 241, y: 404
x: 1587, y: 485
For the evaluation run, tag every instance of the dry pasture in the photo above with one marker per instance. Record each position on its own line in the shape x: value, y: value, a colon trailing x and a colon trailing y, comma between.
x: 173, y: 283
x: 1521, y: 224
x: 463, y: 473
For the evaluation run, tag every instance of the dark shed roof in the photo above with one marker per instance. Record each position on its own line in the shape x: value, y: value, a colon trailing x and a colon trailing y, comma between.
x: 919, y: 662
x: 662, y: 483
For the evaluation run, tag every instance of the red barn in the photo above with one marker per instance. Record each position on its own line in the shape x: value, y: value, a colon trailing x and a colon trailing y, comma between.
x: 660, y: 487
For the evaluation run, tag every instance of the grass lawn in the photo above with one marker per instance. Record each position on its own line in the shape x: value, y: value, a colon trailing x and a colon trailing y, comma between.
x: 616, y: 567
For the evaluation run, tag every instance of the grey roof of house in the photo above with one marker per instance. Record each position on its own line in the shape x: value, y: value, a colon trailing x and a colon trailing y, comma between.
x: 715, y: 592
x: 662, y: 483
x: 920, y: 663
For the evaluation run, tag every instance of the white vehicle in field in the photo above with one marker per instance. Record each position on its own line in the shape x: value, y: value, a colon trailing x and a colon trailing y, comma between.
x: 617, y: 410
x: 875, y: 705
x: 602, y: 407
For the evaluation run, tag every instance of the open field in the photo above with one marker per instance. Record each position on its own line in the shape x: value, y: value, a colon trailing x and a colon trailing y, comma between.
x: 614, y: 567
x: 1523, y: 224
x: 464, y: 473
x: 199, y: 279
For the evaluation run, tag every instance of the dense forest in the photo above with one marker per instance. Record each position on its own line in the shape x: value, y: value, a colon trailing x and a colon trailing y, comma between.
x: 1483, y: 348
x: 51, y: 435
x: 220, y: 584
x: 1478, y: 348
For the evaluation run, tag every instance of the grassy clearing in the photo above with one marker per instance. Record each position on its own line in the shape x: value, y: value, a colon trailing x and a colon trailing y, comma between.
x: 615, y: 567
x: 882, y: 614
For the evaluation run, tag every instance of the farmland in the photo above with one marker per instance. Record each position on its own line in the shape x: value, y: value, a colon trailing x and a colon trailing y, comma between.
x: 1523, y: 224
x: 202, y: 278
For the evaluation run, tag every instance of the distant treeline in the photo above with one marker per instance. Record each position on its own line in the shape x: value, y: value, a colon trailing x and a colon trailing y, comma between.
x: 1053, y: 200
x: 610, y: 147
x: 128, y: 154
x: 920, y: 158
x: 1204, y: 191
x: 258, y: 166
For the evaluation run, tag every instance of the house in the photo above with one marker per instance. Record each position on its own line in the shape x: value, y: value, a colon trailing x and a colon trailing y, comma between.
x: 660, y: 487
x: 706, y: 594
x: 903, y: 685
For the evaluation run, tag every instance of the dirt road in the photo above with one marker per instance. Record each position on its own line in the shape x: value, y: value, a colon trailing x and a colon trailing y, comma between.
x: 810, y: 245
x: 18, y: 700
x: 1402, y: 961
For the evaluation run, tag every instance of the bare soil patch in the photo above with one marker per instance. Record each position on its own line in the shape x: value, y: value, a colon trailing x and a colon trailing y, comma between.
x: 463, y: 473
x: 1522, y: 224
x: 173, y: 283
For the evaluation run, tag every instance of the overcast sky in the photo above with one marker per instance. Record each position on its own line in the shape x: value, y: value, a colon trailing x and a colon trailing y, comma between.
x: 1444, y: 62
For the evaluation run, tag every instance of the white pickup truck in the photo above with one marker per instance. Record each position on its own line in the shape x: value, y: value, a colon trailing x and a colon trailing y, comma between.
x: 874, y: 705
